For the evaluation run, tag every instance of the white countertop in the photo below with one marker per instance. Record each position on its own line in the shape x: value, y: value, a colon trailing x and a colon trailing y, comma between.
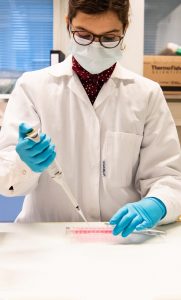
x: 41, y: 262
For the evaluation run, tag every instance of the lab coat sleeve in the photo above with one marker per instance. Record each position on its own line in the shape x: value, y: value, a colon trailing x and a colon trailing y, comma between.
x: 16, y: 178
x: 159, y: 170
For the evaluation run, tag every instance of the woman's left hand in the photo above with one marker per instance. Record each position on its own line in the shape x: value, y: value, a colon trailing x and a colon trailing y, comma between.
x: 140, y: 215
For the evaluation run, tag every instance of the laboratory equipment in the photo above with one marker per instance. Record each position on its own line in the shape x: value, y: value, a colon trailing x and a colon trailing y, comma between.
x: 56, y: 174
x: 108, y: 230
x: 103, y: 234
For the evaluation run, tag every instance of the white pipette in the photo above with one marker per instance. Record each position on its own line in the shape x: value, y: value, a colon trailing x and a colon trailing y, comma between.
x: 56, y: 174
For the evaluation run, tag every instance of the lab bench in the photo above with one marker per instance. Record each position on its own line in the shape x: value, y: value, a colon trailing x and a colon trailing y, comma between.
x: 40, y: 261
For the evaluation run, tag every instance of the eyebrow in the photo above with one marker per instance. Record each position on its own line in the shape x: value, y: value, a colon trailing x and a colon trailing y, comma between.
x: 82, y: 28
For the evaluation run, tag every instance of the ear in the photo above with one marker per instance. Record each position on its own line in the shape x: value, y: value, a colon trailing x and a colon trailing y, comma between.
x: 68, y: 23
x: 125, y: 29
x: 67, y: 20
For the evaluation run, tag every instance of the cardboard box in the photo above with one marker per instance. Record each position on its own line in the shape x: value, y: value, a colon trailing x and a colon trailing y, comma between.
x: 166, y: 70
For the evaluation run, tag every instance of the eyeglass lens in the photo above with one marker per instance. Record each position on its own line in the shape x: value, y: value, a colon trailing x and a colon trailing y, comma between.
x: 85, y: 38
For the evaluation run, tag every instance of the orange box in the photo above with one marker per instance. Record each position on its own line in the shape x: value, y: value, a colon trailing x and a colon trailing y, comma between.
x: 166, y: 70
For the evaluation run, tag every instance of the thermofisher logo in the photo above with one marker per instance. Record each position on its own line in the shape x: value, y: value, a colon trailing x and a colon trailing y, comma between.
x: 164, y: 68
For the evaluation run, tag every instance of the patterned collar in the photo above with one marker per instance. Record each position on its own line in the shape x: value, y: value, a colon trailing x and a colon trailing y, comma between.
x: 92, y: 83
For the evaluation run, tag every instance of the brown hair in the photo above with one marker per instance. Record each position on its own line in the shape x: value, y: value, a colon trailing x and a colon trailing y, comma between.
x: 121, y: 7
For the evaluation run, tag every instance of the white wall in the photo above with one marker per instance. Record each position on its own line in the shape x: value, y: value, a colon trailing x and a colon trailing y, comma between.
x: 134, y: 40
x: 61, y: 37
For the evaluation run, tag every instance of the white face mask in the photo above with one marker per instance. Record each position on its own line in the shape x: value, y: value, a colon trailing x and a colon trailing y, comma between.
x: 95, y: 58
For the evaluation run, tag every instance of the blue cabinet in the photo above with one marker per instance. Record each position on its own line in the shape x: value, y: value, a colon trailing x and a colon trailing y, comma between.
x: 10, y: 208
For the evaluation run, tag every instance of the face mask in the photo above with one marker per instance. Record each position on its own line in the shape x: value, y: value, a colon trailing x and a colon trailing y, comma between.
x: 95, y: 58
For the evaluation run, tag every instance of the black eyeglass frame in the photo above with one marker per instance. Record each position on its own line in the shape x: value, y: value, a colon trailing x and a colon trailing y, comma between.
x: 99, y: 36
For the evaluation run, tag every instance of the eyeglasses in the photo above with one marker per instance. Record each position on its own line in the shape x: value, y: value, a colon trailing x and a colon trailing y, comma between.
x: 86, y: 38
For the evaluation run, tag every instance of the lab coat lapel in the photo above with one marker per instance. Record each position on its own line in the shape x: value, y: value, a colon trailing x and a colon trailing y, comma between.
x: 107, y: 90
x: 77, y: 88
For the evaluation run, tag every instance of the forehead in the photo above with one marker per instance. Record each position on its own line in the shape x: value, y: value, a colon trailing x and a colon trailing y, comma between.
x: 98, y: 23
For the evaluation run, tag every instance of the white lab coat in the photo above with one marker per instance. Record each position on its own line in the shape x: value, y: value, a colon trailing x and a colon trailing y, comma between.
x: 123, y: 148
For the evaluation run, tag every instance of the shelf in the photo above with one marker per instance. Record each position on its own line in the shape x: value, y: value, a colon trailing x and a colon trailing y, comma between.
x: 173, y: 97
x: 4, y: 97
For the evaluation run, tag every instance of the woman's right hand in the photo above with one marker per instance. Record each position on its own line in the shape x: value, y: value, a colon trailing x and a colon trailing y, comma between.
x: 37, y: 155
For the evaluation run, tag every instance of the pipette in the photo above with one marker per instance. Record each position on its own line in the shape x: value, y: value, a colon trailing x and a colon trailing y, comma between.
x: 56, y: 174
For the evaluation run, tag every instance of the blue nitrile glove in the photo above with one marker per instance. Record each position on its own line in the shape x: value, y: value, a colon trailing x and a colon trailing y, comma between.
x: 38, y: 156
x: 140, y: 215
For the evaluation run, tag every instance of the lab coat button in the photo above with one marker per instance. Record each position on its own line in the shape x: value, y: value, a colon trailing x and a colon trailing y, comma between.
x: 24, y: 172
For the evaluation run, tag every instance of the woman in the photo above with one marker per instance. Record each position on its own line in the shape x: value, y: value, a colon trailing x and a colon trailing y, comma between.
x: 114, y: 136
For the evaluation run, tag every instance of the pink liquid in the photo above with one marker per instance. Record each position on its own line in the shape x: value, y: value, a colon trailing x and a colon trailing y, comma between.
x: 92, y: 234
x: 96, y: 230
